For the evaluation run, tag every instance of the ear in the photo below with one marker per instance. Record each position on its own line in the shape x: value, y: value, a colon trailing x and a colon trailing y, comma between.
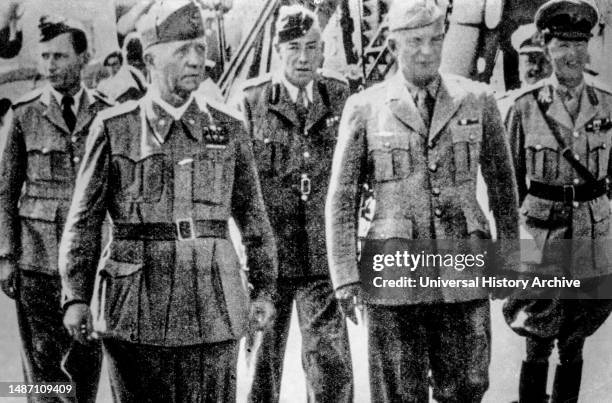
x: 85, y: 57
x: 392, y: 45
x: 277, y: 48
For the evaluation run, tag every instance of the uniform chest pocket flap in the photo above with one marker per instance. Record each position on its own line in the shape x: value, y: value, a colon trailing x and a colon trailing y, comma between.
x: 212, y: 174
x: 599, y: 153
x: 271, y: 151
x: 390, y: 156
x: 141, y: 181
x: 541, y: 156
x: 466, y: 134
x: 48, y: 158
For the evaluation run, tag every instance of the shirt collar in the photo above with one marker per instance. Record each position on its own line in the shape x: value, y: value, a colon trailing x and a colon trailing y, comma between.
x: 293, y: 90
x: 576, y: 91
x: 77, y: 97
x: 431, y: 88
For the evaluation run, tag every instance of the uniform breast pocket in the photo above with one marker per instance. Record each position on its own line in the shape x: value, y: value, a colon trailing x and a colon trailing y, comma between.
x: 140, y: 181
x: 390, y: 157
x: 211, y: 176
x: 48, y: 160
x: 541, y: 157
x: 271, y: 156
x: 598, y: 153
x: 467, y: 141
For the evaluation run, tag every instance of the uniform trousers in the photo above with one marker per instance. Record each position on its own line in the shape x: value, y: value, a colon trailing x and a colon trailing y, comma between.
x: 145, y: 373
x: 45, y: 341
x: 326, y: 357
x: 452, y: 340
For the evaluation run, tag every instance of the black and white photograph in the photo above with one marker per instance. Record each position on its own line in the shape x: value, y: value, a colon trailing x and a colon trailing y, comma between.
x: 323, y: 201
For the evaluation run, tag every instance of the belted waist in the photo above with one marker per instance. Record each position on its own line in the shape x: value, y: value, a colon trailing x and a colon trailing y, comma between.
x: 51, y: 190
x: 569, y: 193
x: 180, y: 230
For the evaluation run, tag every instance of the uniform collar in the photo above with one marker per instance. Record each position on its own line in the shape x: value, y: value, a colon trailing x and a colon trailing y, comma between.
x: 49, y: 92
x: 431, y: 88
x: 294, y: 90
x: 160, y: 115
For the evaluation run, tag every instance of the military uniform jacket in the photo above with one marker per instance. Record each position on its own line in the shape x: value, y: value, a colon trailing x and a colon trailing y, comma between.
x: 424, y: 182
x: 39, y: 160
x: 286, y: 150
x: 537, y: 157
x: 144, y: 168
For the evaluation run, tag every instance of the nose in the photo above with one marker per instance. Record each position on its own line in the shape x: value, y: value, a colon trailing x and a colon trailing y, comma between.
x: 193, y: 58
x: 303, y: 55
x: 426, y: 48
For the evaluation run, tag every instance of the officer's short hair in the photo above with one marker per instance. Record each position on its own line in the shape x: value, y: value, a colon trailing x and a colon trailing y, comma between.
x: 51, y: 27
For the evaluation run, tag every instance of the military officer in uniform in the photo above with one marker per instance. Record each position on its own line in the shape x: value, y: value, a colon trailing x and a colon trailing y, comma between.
x: 533, y: 64
x: 292, y: 117
x: 561, y: 136
x: 39, y: 159
x: 170, y: 300
x: 419, y: 138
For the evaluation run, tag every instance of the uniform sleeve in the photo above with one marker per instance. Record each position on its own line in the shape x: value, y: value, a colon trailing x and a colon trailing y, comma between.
x: 79, y: 250
x: 249, y: 211
x: 516, y: 137
x: 498, y: 173
x: 12, y: 171
x: 342, y: 206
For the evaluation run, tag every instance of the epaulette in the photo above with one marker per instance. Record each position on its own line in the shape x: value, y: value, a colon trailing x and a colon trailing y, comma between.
x: 257, y: 81
x: 29, y: 97
x: 595, y: 82
x: 225, y: 109
x: 118, y: 109
x: 332, y: 74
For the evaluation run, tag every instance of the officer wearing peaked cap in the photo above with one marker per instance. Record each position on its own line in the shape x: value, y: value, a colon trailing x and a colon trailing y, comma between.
x: 39, y: 159
x: 419, y: 139
x: 561, y: 135
x: 170, y: 300
x: 292, y: 117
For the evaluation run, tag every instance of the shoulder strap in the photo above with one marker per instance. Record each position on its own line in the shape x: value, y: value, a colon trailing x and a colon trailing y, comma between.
x: 567, y: 152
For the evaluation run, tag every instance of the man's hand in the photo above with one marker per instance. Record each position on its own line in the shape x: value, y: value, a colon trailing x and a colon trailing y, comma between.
x: 8, y: 277
x: 351, y: 301
x: 261, y: 314
x: 78, y: 322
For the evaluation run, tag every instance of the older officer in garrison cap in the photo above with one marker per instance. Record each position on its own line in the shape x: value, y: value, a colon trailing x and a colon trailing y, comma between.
x: 39, y: 159
x: 561, y: 137
x: 170, y: 301
x: 418, y: 138
x: 292, y: 116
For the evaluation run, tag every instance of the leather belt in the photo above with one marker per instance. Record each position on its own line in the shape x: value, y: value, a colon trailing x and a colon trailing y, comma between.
x: 569, y: 193
x: 180, y: 230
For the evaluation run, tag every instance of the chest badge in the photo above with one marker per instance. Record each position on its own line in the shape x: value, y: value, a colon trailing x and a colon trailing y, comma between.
x: 215, y: 137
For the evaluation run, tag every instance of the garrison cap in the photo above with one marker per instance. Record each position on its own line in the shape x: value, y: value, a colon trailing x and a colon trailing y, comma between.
x: 527, y: 39
x: 52, y: 26
x: 567, y: 19
x: 294, y: 22
x: 411, y: 14
x: 169, y: 21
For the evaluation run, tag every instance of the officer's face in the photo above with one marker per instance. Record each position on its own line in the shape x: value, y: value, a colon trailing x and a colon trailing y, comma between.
x: 533, y: 66
x: 301, y: 57
x: 60, y: 64
x: 177, y: 68
x: 568, y: 59
x: 418, y: 52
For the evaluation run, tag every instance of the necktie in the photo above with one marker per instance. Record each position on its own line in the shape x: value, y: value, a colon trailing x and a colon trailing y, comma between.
x: 571, y: 103
x: 67, y: 112
x: 424, y: 105
x: 301, y: 105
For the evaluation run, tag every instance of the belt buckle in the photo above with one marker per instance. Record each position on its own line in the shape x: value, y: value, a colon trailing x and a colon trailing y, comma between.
x: 565, y: 193
x: 185, y: 229
x: 304, y: 186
